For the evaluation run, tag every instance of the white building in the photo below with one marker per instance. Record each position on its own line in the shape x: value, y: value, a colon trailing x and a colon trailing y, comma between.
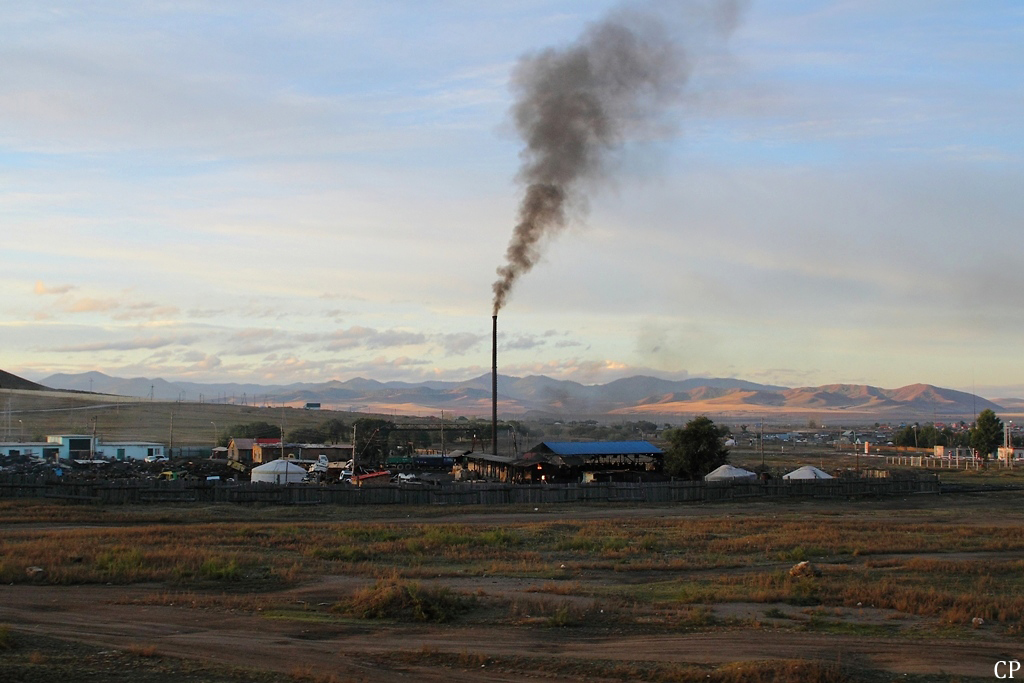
x: 32, y: 449
x: 82, y: 447
x: 72, y: 446
x: 129, y: 450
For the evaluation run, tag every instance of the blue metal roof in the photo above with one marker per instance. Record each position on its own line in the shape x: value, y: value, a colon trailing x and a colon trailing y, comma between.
x: 599, y: 447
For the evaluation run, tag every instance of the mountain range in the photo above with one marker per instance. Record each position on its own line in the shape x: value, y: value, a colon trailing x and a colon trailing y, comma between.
x: 540, y: 396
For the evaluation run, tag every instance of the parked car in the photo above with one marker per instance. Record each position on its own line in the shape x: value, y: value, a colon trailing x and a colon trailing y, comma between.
x: 156, y: 458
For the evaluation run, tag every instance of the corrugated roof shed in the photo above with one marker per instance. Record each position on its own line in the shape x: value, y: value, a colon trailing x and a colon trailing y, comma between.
x: 585, y: 448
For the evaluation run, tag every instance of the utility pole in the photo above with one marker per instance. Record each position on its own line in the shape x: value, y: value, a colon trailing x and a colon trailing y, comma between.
x: 761, y: 441
x: 353, y: 448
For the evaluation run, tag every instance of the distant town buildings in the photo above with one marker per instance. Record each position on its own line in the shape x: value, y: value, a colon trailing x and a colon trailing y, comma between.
x: 63, y: 447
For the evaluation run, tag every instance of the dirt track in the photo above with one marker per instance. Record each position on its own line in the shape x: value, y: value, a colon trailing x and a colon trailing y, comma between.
x: 88, y: 614
x: 363, y: 650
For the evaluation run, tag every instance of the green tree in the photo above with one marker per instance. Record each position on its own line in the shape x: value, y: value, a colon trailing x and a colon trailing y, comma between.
x: 904, y: 437
x: 930, y: 437
x: 922, y: 437
x: 372, y: 439
x: 335, y: 431
x: 987, y: 433
x: 696, y: 449
x: 306, y: 435
x: 252, y: 430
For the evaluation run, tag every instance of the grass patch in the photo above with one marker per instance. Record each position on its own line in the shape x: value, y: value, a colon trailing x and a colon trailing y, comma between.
x: 35, y: 659
x: 771, y: 671
x: 142, y: 650
x: 396, y: 599
x: 220, y: 569
x: 819, y: 625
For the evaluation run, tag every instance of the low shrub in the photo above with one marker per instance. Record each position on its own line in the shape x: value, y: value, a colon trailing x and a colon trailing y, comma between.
x: 220, y: 569
x: 400, y: 600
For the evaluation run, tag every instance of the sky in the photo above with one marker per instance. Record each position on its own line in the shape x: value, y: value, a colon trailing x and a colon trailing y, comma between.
x: 289, y: 192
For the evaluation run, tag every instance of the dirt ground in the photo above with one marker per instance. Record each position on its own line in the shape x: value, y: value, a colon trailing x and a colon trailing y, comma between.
x: 119, y: 617
x: 88, y: 614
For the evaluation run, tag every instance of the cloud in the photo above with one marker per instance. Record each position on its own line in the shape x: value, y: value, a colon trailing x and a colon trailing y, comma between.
x: 40, y: 288
x: 460, y: 343
x: 364, y: 337
x: 146, y: 310
x: 258, y: 341
x: 203, y: 313
x: 206, y: 363
x: 126, y: 344
x: 89, y: 305
x: 523, y: 342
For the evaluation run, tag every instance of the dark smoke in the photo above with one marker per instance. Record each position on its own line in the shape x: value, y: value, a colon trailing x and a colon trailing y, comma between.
x: 574, y: 106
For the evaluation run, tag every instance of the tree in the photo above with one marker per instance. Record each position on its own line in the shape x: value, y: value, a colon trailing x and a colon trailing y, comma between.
x: 306, y: 435
x: 252, y: 430
x: 987, y: 433
x: 921, y: 437
x: 696, y: 449
x: 335, y: 431
x: 371, y: 444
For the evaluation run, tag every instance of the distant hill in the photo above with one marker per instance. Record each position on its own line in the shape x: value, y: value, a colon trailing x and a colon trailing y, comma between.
x: 540, y: 396
x: 9, y: 381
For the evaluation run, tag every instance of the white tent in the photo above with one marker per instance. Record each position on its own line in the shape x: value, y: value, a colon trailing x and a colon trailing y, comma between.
x: 807, y: 472
x: 279, y: 472
x: 728, y: 472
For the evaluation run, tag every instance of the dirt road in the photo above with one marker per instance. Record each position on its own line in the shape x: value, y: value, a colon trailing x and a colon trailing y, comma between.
x: 98, y: 615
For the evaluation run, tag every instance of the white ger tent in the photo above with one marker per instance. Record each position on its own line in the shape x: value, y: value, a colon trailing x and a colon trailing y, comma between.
x: 728, y: 472
x: 279, y: 472
x: 807, y: 472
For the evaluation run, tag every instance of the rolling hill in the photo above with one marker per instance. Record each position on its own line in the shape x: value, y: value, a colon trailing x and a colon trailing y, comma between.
x: 540, y: 396
x: 9, y: 381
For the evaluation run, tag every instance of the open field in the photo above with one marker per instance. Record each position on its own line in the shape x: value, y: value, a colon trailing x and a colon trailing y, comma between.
x: 696, y: 592
x: 35, y: 414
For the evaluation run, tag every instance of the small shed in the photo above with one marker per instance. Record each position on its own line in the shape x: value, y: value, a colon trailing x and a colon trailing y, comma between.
x: 808, y: 472
x: 279, y: 472
x: 729, y: 473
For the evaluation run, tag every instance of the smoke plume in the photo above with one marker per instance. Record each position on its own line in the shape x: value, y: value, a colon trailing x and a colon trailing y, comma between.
x: 576, y: 105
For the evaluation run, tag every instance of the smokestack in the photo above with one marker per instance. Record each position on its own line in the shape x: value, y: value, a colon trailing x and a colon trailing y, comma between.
x: 494, y: 384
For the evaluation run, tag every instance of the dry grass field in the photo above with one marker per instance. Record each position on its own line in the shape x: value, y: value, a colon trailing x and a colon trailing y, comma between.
x: 927, y: 588
x: 35, y: 414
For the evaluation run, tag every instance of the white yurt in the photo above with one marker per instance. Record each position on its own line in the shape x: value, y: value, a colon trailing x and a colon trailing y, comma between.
x: 808, y: 472
x: 728, y: 472
x: 279, y: 472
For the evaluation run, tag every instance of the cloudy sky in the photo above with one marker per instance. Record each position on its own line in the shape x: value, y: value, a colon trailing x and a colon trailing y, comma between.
x: 312, y: 190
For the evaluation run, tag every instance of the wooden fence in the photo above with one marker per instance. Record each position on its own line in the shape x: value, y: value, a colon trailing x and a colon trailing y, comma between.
x: 932, y: 462
x: 184, y: 491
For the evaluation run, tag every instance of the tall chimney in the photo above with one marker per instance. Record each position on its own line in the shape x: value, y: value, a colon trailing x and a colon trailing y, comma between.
x: 494, y: 385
